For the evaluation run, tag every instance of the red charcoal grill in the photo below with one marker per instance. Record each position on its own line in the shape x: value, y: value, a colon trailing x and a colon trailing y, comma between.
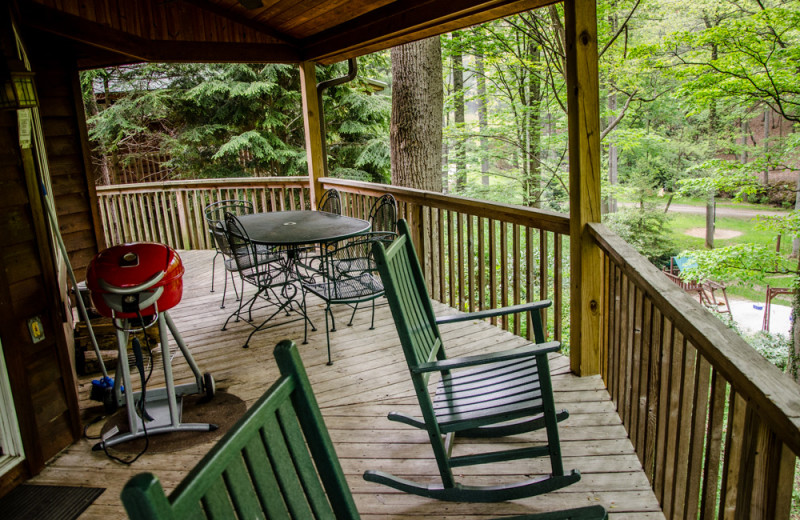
x: 135, y: 281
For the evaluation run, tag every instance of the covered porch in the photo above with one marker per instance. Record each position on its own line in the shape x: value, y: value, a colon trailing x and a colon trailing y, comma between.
x: 369, y: 379
x: 675, y: 414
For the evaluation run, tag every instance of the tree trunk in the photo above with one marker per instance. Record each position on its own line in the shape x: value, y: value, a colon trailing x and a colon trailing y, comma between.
x: 767, y: 125
x: 483, y: 119
x: 445, y: 155
x: 532, y: 132
x: 457, y: 64
x: 796, y: 240
x: 613, y: 157
x: 417, y: 111
x: 710, y: 214
x: 793, y: 366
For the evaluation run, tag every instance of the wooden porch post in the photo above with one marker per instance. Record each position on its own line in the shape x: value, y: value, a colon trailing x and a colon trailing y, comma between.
x: 313, y: 129
x: 584, y: 184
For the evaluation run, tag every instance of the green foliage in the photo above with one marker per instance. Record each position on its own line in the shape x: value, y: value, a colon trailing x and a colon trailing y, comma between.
x: 235, y: 119
x: 742, y: 263
x: 716, y: 175
x: 645, y: 228
x: 774, y: 347
x: 747, y: 51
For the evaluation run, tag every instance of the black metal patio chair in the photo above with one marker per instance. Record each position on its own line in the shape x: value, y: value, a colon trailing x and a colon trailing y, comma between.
x: 383, y: 214
x: 273, y: 274
x: 347, y: 275
x: 215, y: 220
x: 488, y: 395
x: 330, y: 202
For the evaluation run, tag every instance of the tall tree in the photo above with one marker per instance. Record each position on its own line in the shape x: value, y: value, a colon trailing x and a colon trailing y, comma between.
x: 483, y: 118
x: 459, y: 148
x: 417, y: 107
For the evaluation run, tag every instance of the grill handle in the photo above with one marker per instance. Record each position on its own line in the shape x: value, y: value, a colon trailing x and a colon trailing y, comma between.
x: 131, y: 290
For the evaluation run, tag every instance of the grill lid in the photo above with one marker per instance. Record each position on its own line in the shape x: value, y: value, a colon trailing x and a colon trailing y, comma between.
x: 135, y: 277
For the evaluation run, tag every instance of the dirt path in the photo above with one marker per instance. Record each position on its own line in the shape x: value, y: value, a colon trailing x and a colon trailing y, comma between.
x: 721, y: 211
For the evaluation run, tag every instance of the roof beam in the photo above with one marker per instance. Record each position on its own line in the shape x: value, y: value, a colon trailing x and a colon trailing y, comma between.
x: 407, y: 21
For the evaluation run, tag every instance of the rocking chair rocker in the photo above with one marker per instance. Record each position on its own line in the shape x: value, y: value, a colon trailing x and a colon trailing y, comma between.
x: 497, y: 394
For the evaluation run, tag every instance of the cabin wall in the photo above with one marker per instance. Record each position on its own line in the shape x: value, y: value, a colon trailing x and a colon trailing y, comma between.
x: 32, y: 286
x: 40, y: 373
x: 63, y: 123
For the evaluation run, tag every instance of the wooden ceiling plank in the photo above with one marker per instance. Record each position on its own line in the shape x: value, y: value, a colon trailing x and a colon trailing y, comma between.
x: 404, y: 22
x: 228, y: 14
x: 141, y: 49
x: 268, y: 13
x: 288, y: 15
x: 78, y: 29
x: 323, y: 17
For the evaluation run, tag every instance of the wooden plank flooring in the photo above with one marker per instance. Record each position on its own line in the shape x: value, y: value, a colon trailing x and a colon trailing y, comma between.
x: 368, y: 380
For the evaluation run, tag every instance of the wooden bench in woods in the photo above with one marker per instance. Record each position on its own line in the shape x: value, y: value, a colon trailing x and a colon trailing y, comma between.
x: 488, y: 395
x: 277, y: 461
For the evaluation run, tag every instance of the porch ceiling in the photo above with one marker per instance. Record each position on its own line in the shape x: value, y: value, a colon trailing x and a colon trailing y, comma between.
x: 279, y: 31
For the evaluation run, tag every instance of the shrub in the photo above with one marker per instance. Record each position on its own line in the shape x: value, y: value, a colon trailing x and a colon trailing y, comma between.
x: 644, y: 228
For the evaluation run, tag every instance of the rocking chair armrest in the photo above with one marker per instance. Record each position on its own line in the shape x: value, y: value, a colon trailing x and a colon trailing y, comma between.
x: 491, y: 313
x: 531, y: 350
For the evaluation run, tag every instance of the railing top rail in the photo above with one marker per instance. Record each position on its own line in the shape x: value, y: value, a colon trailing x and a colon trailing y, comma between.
x: 774, y: 394
x: 225, y: 183
x: 544, y: 219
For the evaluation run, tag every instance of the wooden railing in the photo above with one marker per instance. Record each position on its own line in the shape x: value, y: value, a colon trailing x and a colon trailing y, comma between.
x: 476, y: 254
x: 715, y: 425
x: 171, y: 212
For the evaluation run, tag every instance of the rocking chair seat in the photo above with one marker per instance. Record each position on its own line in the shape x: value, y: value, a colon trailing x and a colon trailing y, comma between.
x: 494, y: 393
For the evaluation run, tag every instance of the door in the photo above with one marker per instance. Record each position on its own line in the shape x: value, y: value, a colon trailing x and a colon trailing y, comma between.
x: 11, y: 452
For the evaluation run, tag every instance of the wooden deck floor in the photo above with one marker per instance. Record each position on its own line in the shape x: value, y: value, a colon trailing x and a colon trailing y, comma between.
x: 368, y: 380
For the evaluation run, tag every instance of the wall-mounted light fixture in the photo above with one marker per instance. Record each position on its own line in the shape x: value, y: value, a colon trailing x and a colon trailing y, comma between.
x: 18, y: 90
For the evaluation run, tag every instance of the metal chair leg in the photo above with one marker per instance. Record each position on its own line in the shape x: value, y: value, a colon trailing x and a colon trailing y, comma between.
x: 328, y: 332
x: 213, y: 267
x: 225, y: 290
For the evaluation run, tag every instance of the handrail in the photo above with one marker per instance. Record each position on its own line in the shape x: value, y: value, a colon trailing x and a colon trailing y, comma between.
x: 171, y: 212
x: 696, y: 399
x: 545, y: 219
x: 204, y: 183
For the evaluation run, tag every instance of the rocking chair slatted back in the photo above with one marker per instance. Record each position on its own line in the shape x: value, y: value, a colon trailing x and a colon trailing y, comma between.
x: 278, y: 461
x: 415, y: 320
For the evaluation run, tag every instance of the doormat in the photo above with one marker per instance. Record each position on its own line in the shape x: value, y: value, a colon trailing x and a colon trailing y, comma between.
x: 47, y: 502
x: 223, y: 410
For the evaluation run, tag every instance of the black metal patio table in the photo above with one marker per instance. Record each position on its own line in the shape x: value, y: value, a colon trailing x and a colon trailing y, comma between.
x: 291, y: 232
x: 296, y: 228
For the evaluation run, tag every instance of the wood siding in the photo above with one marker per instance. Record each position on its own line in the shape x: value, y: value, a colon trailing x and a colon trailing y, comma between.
x: 40, y: 373
x: 64, y: 132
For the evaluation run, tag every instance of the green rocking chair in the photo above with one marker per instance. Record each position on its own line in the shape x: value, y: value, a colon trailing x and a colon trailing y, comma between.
x: 488, y: 395
x: 277, y: 461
